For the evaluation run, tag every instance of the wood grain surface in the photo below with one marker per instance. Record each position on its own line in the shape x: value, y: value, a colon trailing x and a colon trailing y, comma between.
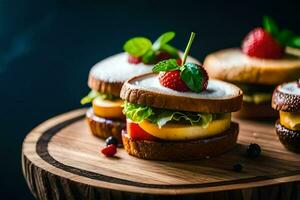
x: 61, y: 160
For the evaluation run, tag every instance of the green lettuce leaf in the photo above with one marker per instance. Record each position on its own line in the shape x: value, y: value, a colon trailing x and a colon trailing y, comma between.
x: 138, y: 113
x: 94, y: 94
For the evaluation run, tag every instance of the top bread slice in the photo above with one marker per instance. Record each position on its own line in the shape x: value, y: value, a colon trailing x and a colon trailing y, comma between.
x: 220, y: 96
x: 234, y: 66
x: 108, y: 75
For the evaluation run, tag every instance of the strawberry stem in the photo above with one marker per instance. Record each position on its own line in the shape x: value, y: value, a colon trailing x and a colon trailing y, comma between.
x: 188, y: 47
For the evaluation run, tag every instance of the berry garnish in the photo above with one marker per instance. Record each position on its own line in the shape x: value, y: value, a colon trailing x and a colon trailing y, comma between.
x: 259, y: 43
x: 298, y: 83
x: 111, y: 140
x: 253, y: 150
x: 134, y: 60
x: 172, y: 80
x: 184, y: 77
x: 162, y: 55
x: 237, y: 167
x: 141, y: 49
x: 109, y: 150
x: 270, y: 42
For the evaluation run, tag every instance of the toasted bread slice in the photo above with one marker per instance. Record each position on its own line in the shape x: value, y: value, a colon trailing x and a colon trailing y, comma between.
x: 183, y: 150
x: 234, y: 66
x: 108, y: 75
x: 286, y: 97
x: 220, y: 97
x: 103, y: 127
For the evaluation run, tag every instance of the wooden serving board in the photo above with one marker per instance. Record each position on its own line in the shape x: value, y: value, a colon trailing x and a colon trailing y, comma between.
x: 61, y: 160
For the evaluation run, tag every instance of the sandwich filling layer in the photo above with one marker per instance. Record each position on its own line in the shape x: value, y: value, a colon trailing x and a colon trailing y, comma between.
x: 104, y: 105
x: 290, y: 120
x: 172, y: 125
x: 255, y: 93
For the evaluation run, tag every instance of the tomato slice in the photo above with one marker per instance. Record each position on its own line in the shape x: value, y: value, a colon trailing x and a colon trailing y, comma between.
x: 137, y: 133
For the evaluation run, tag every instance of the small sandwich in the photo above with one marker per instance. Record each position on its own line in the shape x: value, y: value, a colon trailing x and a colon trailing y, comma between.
x: 106, y: 78
x: 258, y: 66
x: 286, y: 99
x: 176, y: 113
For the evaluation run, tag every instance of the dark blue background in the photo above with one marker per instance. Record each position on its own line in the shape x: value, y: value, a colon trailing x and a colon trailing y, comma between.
x: 47, y: 48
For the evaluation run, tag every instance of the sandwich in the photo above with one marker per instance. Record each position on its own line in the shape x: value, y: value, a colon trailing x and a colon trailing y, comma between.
x: 176, y: 113
x: 286, y: 100
x: 105, y: 117
x: 258, y: 66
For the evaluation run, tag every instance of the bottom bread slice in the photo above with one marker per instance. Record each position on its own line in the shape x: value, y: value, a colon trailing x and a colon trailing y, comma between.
x: 182, y: 150
x: 103, y: 127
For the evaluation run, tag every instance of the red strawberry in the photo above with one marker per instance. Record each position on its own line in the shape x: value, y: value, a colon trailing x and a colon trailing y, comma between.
x: 259, y: 43
x: 205, y: 78
x: 179, y: 61
x: 172, y: 80
x: 134, y: 60
x: 163, y: 56
x: 109, y: 150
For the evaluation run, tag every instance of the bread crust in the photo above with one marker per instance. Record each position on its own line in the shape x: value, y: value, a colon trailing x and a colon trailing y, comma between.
x: 166, y: 101
x: 285, y: 101
x: 112, y: 88
x: 256, y: 111
x: 234, y: 66
x: 103, y: 128
x: 289, y: 138
x: 183, y: 150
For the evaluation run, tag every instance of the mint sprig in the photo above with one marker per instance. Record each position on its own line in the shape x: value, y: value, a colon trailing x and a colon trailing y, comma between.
x: 285, y: 37
x: 137, y: 46
x: 143, y: 47
x: 189, y: 72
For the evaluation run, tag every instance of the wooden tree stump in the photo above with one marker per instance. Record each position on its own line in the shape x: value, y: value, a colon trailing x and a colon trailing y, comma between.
x: 61, y: 160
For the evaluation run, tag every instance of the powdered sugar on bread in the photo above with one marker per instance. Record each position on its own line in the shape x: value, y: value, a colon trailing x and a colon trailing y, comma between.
x: 116, y: 68
x: 216, y: 89
x: 290, y: 88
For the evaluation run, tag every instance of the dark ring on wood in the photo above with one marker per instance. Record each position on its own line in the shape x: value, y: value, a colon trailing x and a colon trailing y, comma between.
x: 42, y: 151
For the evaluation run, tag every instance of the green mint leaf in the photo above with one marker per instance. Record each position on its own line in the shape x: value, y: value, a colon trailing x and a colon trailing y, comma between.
x: 295, y: 42
x: 284, y: 36
x: 270, y: 25
x: 171, y: 50
x: 149, y: 56
x: 166, y: 65
x: 137, y: 46
x: 192, y: 77
x: 163, y: 39
x: 136, y: 113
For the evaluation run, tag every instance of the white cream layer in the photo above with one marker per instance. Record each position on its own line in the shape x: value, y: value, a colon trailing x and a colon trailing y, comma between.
x: 215, y: 90
x: 117, y: 69
x: 290, y: 88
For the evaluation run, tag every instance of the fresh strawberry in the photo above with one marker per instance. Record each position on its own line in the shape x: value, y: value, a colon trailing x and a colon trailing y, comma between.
x: 172, y: 80
x: 137, y: 133
x: 109, y: 150
x: 134, y: 60
x: 204, y: 77
x: 162, y: 55
x: 259, y: 43
x: 179, y: 61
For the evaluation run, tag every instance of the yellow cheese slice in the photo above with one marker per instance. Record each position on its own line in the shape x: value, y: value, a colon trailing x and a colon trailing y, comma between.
x: 108, y: 108
x: 176, y: 131
x: 290, y: 120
